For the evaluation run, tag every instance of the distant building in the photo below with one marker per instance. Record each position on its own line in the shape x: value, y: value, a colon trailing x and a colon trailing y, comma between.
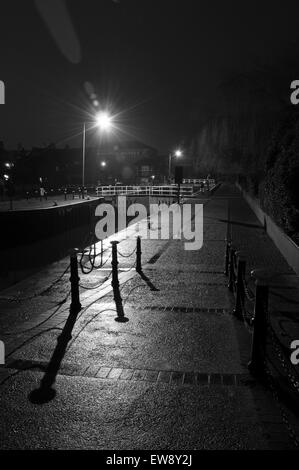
x: 126, y: 162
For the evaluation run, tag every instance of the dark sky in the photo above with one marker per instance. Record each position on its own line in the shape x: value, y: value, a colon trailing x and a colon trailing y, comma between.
x: 154, y: 63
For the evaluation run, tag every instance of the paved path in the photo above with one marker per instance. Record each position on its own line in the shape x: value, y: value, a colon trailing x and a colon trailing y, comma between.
x: 173, y: 377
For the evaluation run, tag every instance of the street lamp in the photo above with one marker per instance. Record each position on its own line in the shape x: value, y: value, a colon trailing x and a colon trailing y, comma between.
x: 104, y: 122
x: 103, y: 165
x: 178, y: 153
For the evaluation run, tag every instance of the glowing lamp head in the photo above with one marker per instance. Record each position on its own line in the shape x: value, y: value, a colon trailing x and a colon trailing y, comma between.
x: 178, y: 153
x: 103, y: 164
x: 104, y: 121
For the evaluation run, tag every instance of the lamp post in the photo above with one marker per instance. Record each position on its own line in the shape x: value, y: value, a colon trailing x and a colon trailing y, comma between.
x: 178, y: 153
x: 104, y: 122
x: 83, y: 159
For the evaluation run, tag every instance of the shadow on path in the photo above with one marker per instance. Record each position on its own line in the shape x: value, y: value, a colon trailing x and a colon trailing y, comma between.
x: 148, y: 281
x: 121, y: 318
x: 234, y: 222
x: 46, y: 392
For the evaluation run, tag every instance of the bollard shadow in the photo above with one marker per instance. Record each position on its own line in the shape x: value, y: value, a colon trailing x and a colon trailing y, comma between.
x: 242, y: 224
x: 46, y: 392
x: 265, y: 224
x: 235, y: 222
x: 121, y: 318
x: 148, y: 281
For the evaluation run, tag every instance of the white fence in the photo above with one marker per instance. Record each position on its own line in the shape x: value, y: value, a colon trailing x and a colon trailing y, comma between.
x: 170, y: 190
x: 198, y: 181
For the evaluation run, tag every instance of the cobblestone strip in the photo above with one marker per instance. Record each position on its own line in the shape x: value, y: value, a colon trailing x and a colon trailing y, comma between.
x: 172, y: 308
x: 117, y: 373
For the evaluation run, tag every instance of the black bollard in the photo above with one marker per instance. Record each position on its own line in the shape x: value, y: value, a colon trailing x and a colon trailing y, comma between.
x: 231, y: 278
x: 258, y: 352
x: 138, y: 255
x: 114, y: 264
x: 228, y: 224
x: 115, y: 285
x: 226, y: 257
x: 240, y: 295
x: 75, y: 303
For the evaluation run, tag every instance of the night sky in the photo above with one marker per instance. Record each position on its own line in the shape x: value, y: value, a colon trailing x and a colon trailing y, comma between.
x: 156, y: 64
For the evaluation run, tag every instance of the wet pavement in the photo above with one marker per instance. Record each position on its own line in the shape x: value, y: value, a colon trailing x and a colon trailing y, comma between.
x: 173, y: 376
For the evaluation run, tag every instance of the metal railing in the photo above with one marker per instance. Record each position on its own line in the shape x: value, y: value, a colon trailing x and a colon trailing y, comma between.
x: 167, y: 190
x: 199, y: 181
x: 186, y: 190
x: 257, y: 320
x: 87, y: 266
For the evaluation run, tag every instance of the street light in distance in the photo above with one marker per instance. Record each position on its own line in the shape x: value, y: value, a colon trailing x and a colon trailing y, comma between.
x: 177, y: 153
x: 104, y: 122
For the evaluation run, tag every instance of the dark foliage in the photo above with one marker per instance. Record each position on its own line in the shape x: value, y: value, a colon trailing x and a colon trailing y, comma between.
x: 279, y: 192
